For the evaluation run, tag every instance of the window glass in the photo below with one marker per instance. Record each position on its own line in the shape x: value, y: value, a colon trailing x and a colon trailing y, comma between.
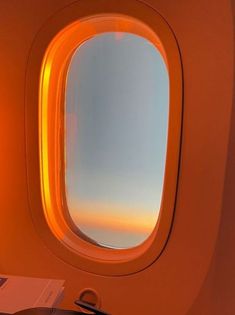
x: 116, y: 123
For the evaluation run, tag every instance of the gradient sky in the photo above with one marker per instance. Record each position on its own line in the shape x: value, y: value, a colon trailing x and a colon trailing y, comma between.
x: 117, y: 102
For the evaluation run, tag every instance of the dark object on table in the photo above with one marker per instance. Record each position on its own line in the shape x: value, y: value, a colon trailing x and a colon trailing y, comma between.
x: 57, y: 311
x: 89, y: 307
x: 45, y: 311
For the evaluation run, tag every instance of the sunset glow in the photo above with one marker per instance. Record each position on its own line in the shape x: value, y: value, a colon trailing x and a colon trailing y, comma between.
x: 117, y: 102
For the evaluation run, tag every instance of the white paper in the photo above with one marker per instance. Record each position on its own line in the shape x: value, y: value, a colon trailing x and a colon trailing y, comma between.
x: 18, y: 293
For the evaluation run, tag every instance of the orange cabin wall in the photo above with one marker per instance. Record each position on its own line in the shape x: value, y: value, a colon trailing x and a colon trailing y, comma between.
x: 195, y: 273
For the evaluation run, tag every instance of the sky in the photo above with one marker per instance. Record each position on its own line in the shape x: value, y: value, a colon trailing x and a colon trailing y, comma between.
x: 116, y: 123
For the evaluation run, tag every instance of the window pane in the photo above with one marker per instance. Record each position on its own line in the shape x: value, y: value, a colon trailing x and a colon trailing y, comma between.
x: 116, y: 122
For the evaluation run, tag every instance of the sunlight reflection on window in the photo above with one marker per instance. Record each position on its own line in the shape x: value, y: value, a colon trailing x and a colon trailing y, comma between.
x: 116, y: 123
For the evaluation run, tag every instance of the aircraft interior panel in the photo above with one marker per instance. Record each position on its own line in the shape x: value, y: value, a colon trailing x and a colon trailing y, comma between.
x: 183, y: 262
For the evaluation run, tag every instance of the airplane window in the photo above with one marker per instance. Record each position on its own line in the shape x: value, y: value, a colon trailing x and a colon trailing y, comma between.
x: 115, y: 138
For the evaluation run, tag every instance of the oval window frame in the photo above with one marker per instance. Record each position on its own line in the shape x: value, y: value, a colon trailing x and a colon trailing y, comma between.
x: 48, y: 209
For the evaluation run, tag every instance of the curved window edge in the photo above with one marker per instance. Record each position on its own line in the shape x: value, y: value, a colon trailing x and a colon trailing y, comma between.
x: 52, y: 223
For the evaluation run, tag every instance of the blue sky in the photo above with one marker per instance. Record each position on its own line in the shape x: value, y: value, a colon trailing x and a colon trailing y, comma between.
x: 117, y: 102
